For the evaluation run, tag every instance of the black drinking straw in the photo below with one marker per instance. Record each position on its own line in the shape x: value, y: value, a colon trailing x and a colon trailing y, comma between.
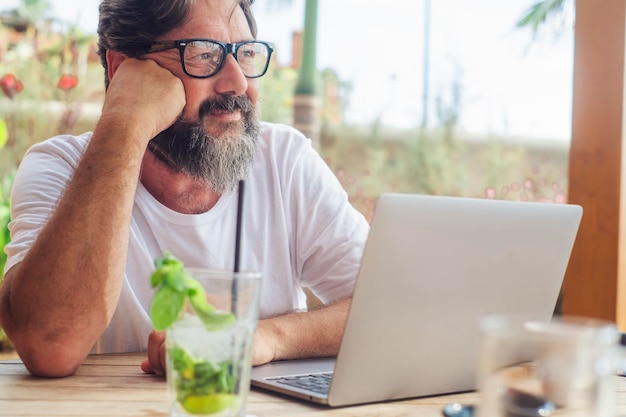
x: 233, y: 305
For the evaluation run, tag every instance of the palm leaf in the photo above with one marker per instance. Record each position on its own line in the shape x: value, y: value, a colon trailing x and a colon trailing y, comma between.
x: 538, y: 14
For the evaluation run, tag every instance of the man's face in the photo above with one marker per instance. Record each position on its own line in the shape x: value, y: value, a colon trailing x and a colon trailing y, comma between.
x: 215, y: 138
x: 221, y: 159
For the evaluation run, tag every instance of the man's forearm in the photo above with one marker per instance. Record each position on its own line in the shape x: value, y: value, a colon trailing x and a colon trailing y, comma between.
x: 60, y: 298
x: 309, y: 334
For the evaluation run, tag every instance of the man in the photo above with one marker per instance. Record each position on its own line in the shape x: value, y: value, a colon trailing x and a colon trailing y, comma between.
x: 179, y: 128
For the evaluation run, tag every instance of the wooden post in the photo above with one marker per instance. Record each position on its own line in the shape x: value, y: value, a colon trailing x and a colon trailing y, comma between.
x: 594, y: 282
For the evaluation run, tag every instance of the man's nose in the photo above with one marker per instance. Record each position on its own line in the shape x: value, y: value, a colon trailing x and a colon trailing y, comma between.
x: 230, y: 79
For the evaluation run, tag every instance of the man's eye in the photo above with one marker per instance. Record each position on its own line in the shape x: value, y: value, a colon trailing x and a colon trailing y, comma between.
x: 204, y: 56
x: 249, y: 53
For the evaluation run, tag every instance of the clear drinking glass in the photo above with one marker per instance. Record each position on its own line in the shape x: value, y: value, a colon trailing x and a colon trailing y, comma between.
x: 208, y: 369
x: 533, y: 367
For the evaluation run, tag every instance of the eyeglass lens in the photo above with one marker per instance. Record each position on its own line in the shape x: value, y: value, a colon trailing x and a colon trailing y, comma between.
x: 203, y: 58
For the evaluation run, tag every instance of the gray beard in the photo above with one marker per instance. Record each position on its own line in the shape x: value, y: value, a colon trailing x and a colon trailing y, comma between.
x: 220, y: 161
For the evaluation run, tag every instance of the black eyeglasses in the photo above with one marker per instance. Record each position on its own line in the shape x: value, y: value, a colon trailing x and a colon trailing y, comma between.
x: 203, y: 58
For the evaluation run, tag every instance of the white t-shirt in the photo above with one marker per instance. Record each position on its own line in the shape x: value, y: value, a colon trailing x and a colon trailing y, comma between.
x: 298, y: 229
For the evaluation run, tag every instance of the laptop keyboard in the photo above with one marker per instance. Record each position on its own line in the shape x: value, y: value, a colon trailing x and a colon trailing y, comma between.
x: 318, y: 383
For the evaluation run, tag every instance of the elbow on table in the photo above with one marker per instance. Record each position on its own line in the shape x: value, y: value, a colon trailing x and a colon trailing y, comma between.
x: 50, y: 363
x: 43, y: 354
x: 48, y: 358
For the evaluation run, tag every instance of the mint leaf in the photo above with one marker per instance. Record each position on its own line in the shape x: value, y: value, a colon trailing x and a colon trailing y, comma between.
x: 212, y: 319
x: 197, y: 296
x: 216, y: 320
x: 167, y: 306
x: 183, y: 362
x: 174, y: 287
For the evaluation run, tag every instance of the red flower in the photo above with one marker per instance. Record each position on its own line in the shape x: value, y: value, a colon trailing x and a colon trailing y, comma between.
x: 67, y: 82
x: 10, y: 85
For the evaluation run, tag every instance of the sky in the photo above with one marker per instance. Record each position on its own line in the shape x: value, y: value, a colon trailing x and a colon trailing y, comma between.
x: 509, y: 85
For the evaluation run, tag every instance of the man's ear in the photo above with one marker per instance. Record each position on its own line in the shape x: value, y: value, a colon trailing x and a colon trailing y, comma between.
x: 114, y: 59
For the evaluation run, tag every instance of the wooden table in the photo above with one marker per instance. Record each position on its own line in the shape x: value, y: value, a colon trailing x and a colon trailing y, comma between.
x: 114, y: 385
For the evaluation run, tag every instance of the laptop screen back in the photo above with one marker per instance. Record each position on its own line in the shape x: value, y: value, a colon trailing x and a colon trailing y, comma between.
x: 431, y: 268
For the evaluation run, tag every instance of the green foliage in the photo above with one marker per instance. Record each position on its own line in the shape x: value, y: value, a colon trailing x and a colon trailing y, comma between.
x: 5, y: 344
x: 433, y: 162
x: 202, y: 387
x: 4, y: 133
x: 197, y: 377
x: 5, y: 218
x: 42, y: 110
x: 538, y: 14
x: 33, y: 10
x: 174, y: 286
x: 438, y: 166
x: 5, y: 237
x: 276, y: 94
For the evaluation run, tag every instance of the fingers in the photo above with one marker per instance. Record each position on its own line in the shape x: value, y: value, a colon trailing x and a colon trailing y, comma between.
x: 146, y: 367
x: 144, y: 92
x: 155, y: 364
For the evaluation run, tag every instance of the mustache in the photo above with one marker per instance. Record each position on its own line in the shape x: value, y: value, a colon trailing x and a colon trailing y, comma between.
x: 225, y: 103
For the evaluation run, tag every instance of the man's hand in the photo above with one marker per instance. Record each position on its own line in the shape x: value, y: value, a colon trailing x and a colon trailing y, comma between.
x: 262, y: 351
x: 143, y: 95
x: 298, y: 335
x: 155, y: 364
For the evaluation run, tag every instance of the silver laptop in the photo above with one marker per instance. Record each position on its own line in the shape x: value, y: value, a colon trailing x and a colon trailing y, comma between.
x: 432, y: 267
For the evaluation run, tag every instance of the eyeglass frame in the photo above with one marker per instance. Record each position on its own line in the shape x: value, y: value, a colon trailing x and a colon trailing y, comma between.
x: 227, y: 48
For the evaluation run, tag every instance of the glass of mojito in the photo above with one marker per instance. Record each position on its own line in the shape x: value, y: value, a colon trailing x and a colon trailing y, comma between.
x: 209, y: 346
